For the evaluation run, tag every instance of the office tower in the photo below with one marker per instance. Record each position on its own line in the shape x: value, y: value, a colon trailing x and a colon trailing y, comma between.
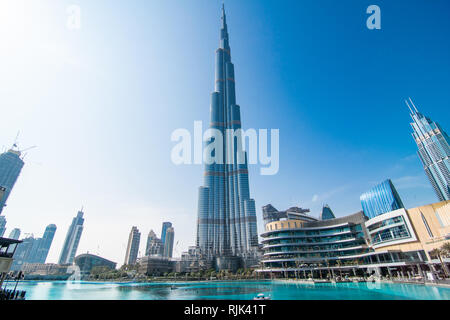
x: 133, y: 246
x: 434, y: 151
x: 45, y: 243
x: 226, y: 224
x: 327, y: 213
x: 2, y: 225
x: 11, y: 164
x: 165, y: 226
x: 15, y: 234
x: 381, y: 199
x: 25, y: 252
x: 72, y: 239
x: 168, y: 245
x: 154, y: 245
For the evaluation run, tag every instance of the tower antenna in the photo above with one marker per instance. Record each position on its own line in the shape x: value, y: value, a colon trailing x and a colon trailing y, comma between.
x: 406, y: 101
x: 16, y: 139
x: 413, y: 105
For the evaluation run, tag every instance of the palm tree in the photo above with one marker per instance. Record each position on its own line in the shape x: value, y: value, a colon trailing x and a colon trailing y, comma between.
x: 439, y: 253
x: 446, y: 248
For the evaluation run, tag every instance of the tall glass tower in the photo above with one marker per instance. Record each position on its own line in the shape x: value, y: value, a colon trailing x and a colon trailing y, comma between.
x: 434, y: 151
x: 165, y: 226
x: 226, y: 224
x: 45, y: 243
x: 168, y: 244
x: 134, y: 239
x: 72, y: 239
x: 11, y: 164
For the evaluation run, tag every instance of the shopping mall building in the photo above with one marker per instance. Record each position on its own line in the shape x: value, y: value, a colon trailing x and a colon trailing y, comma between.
x: 397, y: 242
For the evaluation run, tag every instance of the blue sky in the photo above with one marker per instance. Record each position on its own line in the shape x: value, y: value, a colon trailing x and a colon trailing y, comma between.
x: 101, y: 103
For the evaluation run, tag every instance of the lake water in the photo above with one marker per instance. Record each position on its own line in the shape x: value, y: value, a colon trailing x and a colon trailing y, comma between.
x: 232, y: 290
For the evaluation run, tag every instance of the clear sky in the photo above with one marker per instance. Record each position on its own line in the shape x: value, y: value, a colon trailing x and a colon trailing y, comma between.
x: 101, y: 103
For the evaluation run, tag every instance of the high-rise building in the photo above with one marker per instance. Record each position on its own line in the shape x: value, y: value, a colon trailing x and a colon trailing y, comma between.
x: 381, y: 199
x: 25, y: 252
x: 327, y: 213
x: 11, y: 164
x: 2, y: 225
x: 168, y: 245
x: 72, y: 240
x: 32, y: 250
x: 154, y: 245
x: 133, y: 246
x: 165, y: 226
x: 226, y: 225
x: 45, y: 243
x: 15, y: 234
x: 434, y: 151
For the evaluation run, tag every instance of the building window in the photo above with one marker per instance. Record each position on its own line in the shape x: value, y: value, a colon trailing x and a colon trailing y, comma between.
x: 426, y: 225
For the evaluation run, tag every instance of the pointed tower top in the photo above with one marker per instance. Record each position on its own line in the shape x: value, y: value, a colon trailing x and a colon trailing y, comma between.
x: 409, y: 107
x: 413, y: 105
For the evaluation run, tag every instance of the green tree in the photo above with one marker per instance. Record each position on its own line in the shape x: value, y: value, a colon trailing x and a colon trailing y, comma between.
x: 440, y: 253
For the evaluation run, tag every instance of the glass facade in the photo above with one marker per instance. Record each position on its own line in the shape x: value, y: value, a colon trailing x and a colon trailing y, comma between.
x: 226, y: 224
x: 434, y: 151
x: 165, y: 226
x: 381, y: 199
x: 326, y: 213
x: 10, y: 166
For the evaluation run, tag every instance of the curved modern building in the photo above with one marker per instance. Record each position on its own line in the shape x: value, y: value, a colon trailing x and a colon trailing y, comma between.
x: 306, y: 243
x: 86, y: 262
x: 395, y: 243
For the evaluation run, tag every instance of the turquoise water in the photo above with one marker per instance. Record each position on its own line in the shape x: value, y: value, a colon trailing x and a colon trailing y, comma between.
x: 242, y: 290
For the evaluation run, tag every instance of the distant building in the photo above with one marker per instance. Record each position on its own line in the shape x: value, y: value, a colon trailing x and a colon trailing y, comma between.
x: 154, y: 245
x: 11, y: 165
x: 168, y: 246
x: 271, y: 214
x: 14, y: 234
x: 133, y: 246
x: 45, y: 271
x: 86, y: 262
x: 25, y: 252
x: 434, y: 151
x: 381, y: 199
x: 72, y: 239
x: 2, y: 225
x: 45, y: 243
x: 326, y: 213
x: 155, y: 266
x: 33, y: 250
x: 193, y: 261
x: 165, y: 226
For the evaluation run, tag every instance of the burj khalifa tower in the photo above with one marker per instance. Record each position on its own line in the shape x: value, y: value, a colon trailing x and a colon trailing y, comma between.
x: 226, y: 225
